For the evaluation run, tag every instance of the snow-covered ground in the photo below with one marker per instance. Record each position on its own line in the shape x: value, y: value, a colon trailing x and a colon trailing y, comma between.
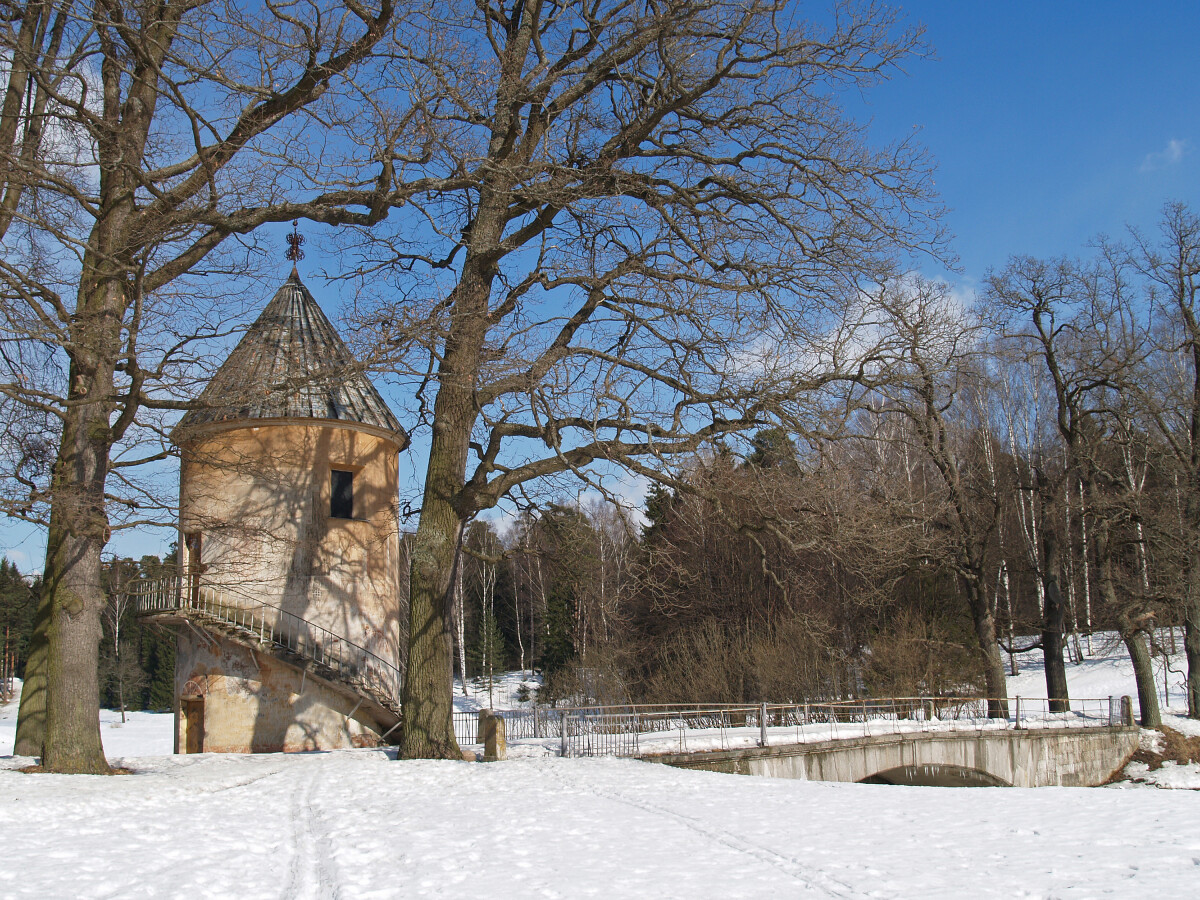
x: 360, y: 824
x: 357, y: 824
x: 142, y: 733
x: 1105, y: 672
x: 507, y: 690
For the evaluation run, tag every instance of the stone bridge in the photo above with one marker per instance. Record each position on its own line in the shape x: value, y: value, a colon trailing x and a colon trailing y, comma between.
x: 1075, y: 757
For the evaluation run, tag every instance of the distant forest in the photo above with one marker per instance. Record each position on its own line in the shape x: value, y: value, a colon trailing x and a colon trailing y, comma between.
x: 780, y: 577
x: 140, y: 671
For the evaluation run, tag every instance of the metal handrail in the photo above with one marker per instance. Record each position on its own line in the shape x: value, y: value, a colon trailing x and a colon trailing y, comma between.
x: 272, y: 624
x: 621, y: 730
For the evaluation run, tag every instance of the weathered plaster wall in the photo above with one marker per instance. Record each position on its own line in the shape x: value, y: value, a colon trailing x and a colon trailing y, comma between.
x: 254, y: 703
x: 259, y: 496
x: 1038, y: 758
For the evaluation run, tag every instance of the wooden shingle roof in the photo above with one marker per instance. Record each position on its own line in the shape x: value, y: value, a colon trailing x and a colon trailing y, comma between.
x: 291, y: 364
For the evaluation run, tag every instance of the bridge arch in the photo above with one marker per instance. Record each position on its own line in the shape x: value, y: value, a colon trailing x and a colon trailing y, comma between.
x: 935, y: 775
x: 995, y: 757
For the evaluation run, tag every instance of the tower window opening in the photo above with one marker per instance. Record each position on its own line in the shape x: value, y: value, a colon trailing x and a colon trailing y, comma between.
x: 341, y: 494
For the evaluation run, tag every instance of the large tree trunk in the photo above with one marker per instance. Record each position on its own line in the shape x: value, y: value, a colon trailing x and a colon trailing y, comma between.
x: 428, y: 728
x: 427, y: 731
x: 428, y: 698
x: 1143, y: 673
x: 989, y: 650
x: 1052, y: 623
x: 1191, y: 648
x: 72, y: 600
x: 1191, y: 608
x: 73, y: 742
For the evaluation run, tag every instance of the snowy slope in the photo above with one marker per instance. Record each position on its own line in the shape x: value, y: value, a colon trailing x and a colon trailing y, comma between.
x: 1105, y: 672
x: 504, y: 691
x: 356, y: 824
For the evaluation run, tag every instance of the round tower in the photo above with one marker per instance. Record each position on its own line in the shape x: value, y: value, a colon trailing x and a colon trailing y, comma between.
x: 289, y: 544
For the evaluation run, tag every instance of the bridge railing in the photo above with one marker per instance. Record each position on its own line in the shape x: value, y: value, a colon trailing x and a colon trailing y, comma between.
x: 637, y: 729
x: 345, y: 659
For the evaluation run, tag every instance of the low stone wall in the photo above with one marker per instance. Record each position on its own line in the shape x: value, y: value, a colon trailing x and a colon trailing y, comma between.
x: 1073, y: 757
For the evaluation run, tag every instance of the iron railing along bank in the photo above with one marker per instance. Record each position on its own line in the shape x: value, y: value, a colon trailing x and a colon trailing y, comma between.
x: 347, y: 660
x: 636, y: 729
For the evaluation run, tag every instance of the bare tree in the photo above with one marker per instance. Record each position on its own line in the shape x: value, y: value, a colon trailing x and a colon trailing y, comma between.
x: 135, y: 139
x: 115, y: 610
x: 1077, y: 322
x: 1172, y: 265
x: 926, y: 380
x: 641, y: 232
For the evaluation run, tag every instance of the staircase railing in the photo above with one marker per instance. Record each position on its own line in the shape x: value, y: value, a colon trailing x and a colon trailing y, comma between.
x: 271, y: 624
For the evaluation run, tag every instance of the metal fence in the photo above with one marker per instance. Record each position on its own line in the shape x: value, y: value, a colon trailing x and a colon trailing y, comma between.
x: 270, y: 624
x: 637, y: 729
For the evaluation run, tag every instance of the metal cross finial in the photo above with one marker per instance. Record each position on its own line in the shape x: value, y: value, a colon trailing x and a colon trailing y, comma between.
x: 295, y: 239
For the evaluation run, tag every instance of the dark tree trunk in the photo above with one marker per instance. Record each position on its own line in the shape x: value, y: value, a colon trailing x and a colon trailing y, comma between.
x: 1143, y: 673
x: 72, y: 597
x: 427, y: 731
x: 1053, y: 615
x: 1191, y: 648
x: 1131, y: 633
x: 72, y: 601
x: 989, y: 650
x: 428, y: 728
x: 1191, y: 608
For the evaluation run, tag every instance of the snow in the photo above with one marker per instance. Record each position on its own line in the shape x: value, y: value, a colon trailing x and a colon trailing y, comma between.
x: 142, y: 734
x: 504, y: 692
x: 358, y: 823
x: 693, y: 740
x: 1105, y: 672
x: 1182, y: 724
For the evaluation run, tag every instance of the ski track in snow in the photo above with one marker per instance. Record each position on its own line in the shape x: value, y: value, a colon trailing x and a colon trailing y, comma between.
x: 787, y: 864
x: 307, y: 876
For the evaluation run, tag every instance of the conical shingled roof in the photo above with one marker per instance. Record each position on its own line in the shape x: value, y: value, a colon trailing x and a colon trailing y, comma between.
x: 291, y: 364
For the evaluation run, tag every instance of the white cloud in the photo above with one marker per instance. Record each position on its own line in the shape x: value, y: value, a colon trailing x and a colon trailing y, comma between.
x: 1170, y: 156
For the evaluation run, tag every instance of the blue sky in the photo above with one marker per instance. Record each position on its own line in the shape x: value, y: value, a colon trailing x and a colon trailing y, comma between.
x: 1051, y: 123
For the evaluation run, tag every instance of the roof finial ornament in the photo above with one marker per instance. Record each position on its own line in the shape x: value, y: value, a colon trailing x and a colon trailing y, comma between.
x: 295, y: 239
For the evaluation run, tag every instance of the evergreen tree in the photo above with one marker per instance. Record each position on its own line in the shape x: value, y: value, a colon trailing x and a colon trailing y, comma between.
x: 558, y: 646
x: 18, y: 604
x: 489, y: 653
x: 143, y: 673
